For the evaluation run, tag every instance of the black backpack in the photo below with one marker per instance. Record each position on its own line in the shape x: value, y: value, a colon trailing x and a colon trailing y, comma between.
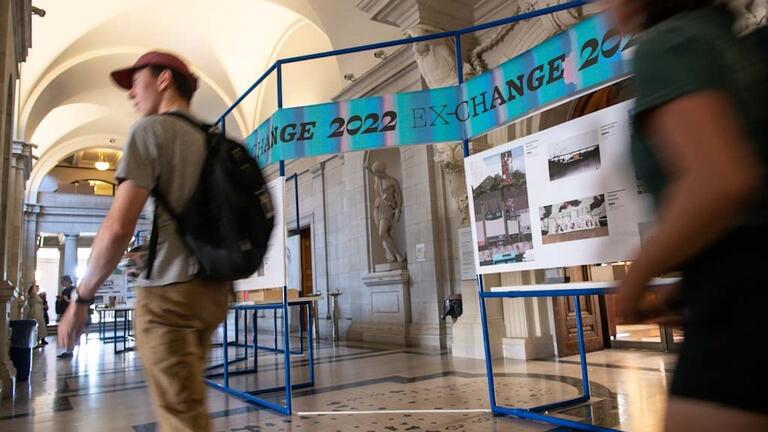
x: 60, y: 306
x: 227, y: 222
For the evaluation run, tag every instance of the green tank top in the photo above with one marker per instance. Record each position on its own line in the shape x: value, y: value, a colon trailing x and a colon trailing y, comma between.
x: 688, y: 53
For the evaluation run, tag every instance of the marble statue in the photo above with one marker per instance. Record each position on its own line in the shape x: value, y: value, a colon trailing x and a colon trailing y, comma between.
x: 387, y: 208
x: 751, y: 14
x: 450, y: 157
x: 436, y: 58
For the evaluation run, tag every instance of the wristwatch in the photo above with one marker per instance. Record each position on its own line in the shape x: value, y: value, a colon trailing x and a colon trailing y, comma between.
x: 82, y: 300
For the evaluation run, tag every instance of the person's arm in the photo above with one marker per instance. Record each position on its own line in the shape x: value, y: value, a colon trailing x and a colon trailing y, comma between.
x: 113, y: 237
x: 716, y: 174
x: 108, y: 248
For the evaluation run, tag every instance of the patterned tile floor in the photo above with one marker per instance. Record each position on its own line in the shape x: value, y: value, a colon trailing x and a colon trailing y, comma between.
x: 98, y: 390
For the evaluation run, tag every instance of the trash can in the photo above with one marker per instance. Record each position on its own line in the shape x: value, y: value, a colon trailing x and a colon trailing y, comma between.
x: 23, y: 339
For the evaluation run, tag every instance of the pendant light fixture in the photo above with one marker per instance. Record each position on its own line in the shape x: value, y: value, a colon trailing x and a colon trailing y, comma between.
x: 102, y: 165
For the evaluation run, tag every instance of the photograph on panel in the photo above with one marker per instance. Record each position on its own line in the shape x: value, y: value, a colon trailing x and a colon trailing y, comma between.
x: 574, y: 220
x: 578, y: 154
x: 502, y: 215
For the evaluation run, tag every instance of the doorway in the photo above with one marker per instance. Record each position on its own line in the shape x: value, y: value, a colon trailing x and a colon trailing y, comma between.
x: 307, y: 288
x: 643, y: 336
x: 565, y: 318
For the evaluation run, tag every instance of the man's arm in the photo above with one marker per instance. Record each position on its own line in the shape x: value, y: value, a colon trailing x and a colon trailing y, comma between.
x: 113, y: 237
x: 108, y: 247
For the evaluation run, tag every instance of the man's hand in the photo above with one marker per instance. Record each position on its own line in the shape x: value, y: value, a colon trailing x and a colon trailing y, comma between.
x: 72, y: 324
x: 636, y: 304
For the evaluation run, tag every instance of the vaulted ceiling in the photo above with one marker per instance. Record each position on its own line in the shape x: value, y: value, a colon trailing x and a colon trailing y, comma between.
x: 67, y: 102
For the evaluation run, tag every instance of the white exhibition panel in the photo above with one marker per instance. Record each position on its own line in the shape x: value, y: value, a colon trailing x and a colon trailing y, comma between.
x: 272, y: 271
x: 569, y: 196
x: 115, y: 286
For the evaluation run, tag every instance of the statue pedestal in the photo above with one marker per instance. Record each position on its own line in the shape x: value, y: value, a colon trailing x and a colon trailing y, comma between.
x: 390, y: 307
x: 388, y: 267
x: 7, y: 371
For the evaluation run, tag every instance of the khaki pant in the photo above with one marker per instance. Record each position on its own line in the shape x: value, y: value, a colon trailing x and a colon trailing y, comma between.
x: 174, y: 324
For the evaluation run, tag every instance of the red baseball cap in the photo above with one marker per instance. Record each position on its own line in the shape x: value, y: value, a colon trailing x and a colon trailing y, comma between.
x: 124, y: 77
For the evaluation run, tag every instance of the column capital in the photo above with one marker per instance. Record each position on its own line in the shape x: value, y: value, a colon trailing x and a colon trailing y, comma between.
x: 450, y: 14
x: 6, y: 291
x: 23, y: 157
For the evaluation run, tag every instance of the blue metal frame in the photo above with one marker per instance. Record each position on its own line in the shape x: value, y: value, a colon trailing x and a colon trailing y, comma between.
x: 102, y: 328
x: 456, y: 35
x: 535, y: 413
x: 276, y: 66
x: 251, y: 396
x: 254, y: 343
x: 126, y: 331
x: 275, y: 347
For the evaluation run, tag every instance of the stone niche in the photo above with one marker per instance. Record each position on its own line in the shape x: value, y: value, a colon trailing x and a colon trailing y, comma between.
x: 387, y: 280
x: 377, y: 254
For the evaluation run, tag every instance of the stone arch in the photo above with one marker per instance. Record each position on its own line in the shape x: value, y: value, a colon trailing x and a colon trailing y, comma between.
x: 60, y: 151
x: 29, y: 122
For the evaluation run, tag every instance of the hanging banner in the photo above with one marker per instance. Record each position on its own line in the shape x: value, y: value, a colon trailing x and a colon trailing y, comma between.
x: 354, y: 125
x: 586, y: 56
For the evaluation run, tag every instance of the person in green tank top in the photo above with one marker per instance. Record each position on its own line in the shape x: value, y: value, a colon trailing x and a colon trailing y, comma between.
x: 700, y: 146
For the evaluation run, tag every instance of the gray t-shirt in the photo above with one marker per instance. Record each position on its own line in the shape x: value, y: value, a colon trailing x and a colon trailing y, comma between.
x: 166, y: 153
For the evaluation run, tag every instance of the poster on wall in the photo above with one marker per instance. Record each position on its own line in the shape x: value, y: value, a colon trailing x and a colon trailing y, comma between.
x: 114, y: 286
x: 271, y: 274
x: 561, y: 197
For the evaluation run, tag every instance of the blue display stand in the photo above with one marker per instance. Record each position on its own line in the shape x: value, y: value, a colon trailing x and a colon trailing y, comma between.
x: 541, y: 413
x: 536, y: 413
x: 253, y: 395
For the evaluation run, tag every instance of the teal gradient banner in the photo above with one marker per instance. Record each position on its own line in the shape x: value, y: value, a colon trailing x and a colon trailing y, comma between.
x: 588, y: 55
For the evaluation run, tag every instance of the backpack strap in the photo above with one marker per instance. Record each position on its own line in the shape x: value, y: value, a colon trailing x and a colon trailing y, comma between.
x: 202, y: 126
x: 153, y: 238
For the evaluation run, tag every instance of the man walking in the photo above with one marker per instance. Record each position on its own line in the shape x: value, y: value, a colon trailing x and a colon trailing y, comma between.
x: 176, y: 312
x: 62, y: 303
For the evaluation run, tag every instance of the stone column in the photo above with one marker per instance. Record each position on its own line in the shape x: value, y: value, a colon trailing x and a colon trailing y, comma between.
x: 21, y: 181
x: 8, y: 224
x: 319, y: 241
x: 529, y: 321
x: 428, y: 248
x: 20, y: 165
x: 61, y: 260
x: 29, y: 258
x: 70, y: 254
x: 426, y: 261
x: 23, y: 172
x: 7, y: 371
x: 468, y: 331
